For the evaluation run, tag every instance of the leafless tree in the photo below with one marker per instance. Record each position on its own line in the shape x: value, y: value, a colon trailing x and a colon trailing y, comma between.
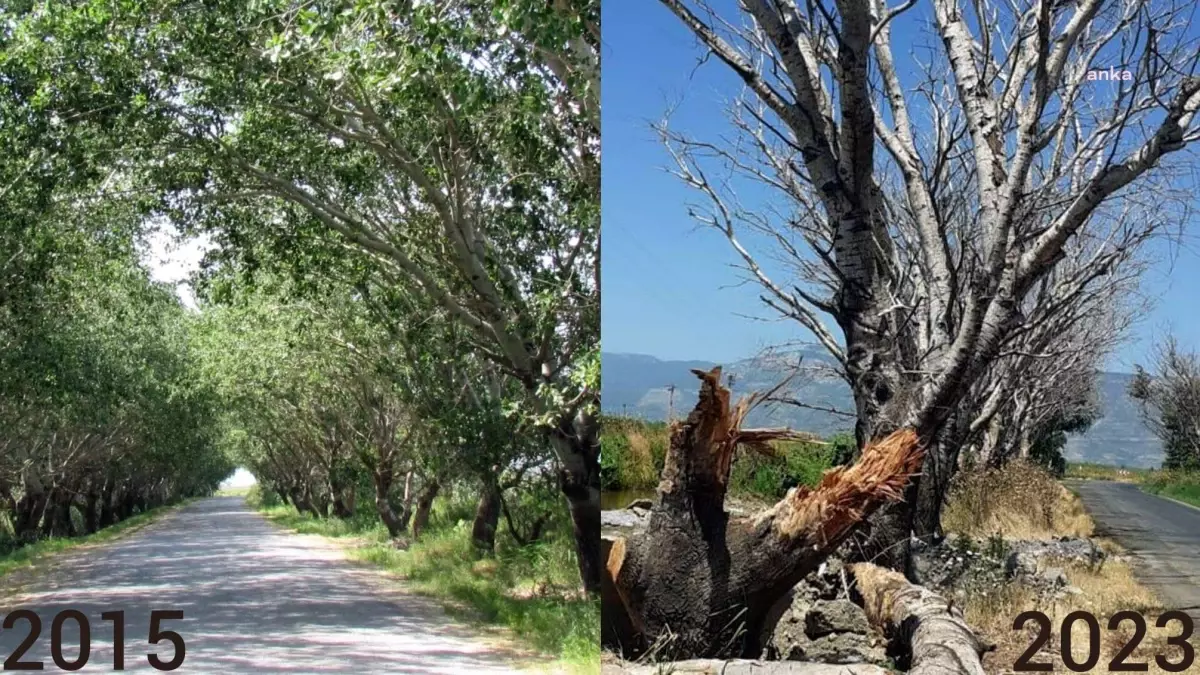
x: 929, y: 221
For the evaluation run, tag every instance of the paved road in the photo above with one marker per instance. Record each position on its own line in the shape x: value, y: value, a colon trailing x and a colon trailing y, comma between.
x: 1162, y: 534
x: 255, y: 600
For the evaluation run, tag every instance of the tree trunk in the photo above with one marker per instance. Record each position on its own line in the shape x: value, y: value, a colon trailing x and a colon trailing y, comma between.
x: 709, y: 580
x: 576, y: 443
x: 940, y: 641
x: 91, y: 512
x: 424, y: 505
x: 343, y: 499
x: 487, y: 517
x: 57, y: 519
x: 383, y: 505
x: 108, y: 512
x: 29, y: 513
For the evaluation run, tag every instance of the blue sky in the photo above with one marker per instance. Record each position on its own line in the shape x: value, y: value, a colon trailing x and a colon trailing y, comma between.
x: 669, y: 288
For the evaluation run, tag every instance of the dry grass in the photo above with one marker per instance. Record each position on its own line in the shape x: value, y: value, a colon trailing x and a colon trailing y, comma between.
x: 641, y: 467
x: 1109, y: 589
x: 1022, y: 501
x: 1019, y: 501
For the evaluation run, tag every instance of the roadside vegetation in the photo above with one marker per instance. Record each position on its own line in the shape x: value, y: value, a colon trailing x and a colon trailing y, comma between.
x: 633, y: 450
x: 988, y: 509
x: 1093, y: 471
x: 529, y: 588
x: 1181, y: 485
x: 1018, y: 501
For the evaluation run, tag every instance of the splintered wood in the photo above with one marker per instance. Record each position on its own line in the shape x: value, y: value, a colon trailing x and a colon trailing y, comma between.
x: 705, y: 581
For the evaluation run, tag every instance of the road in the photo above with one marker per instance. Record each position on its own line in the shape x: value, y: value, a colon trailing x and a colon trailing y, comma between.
x: 255, y: 599
x: 1162, y: 534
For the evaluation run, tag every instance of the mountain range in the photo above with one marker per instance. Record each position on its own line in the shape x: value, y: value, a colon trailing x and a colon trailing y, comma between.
x: 637, y: 385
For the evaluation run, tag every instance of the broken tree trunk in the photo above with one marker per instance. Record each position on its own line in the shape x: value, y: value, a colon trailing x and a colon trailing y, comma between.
x: 940, y: 640
x: 699, y: 583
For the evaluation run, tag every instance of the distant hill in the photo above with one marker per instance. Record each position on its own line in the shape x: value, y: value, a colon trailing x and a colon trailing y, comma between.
x: 637, y: 385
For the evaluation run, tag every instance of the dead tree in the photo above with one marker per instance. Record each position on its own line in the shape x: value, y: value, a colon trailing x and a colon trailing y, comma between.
x: 704, y: 581
x: 925, y: 237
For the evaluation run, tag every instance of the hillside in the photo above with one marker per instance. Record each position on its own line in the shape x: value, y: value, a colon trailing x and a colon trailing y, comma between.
x: 636, y: 385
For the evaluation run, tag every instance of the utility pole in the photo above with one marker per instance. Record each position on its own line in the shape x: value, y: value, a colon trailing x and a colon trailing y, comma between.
x: 670, y: 403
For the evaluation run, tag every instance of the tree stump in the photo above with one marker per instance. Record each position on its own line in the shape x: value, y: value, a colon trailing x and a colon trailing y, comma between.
x: 698, y: 583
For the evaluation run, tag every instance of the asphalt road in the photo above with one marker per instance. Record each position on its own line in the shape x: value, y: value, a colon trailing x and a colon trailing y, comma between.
x: 1163, y: 535
x: 255, y: 599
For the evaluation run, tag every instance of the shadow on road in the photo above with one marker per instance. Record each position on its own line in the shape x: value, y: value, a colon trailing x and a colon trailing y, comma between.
x: 254, y: 600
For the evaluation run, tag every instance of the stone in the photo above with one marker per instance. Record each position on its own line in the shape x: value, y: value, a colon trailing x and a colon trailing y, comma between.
x: 1021, y: 564
x: 1054, y: 577
x: 844, y: 648
x: 835, y: 616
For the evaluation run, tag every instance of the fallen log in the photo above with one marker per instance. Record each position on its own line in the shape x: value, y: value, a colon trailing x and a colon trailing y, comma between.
x: 940, y: 640
x: 742, y: 667
x: 696, y: 582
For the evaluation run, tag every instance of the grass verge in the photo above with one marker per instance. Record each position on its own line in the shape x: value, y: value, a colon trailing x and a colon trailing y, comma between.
x: 30, y: 556
x: 1181, y: 485
x: 530, y: 590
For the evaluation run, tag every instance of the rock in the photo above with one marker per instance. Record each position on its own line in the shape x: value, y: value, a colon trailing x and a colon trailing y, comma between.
x: 828, y: 631
x: 1021, y: 563
x: 1054, y: 577
x: 400, y: 543
x: 623, y: 519
x: 642, y: 504
x: 844, y: 648
x: 835, y: 616
x: 788, y: 641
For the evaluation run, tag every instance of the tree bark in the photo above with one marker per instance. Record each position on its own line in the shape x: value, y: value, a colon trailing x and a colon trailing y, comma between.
x: 424, y: 505
x: 487, y: 517
x: 91, y: 512
x: 709, y: 580
x: 576, y: 443
x: 383, y: 505
x: 940, y: 640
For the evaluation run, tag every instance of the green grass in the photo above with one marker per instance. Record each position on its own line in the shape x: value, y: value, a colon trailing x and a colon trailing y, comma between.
x: 1181, y: 485
x: 530, y: 590
x: 38, y: 552
x: 632, y: 452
